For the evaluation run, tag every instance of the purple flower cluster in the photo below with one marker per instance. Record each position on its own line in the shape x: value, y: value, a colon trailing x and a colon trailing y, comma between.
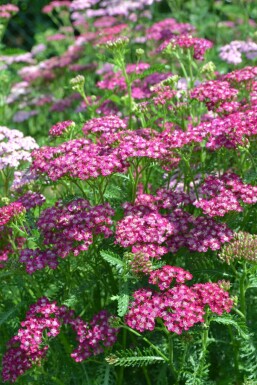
x: 44, y: 320
x: 31, y: 199
x: 14, y: 148
x: 224, y: 193
x: 94, y: 336
x: 23, y: 178
x: 232, y: 52
x: 70, y: 228
x: 153, y: 233
x: 38, y: 259
x: 181, y: 307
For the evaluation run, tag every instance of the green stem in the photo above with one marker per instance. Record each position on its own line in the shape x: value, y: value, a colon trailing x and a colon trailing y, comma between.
x: 235, y: 352
x: 243, y: 288
x: 147, y: 341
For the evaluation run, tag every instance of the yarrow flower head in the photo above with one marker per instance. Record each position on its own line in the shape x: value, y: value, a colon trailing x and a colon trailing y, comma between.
x: 213, y: 93
x: 44, y: 321
x: 199, y: 45
x: 14, y: 148
x: 180, y: 307
x: 224, y: 194
x: 69, y: 228
x: 59, y: 128
x: 243, y: 247
x: 233, y: 52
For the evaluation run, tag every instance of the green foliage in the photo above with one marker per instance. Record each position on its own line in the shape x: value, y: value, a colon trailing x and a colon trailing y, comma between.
x: 134, y: 357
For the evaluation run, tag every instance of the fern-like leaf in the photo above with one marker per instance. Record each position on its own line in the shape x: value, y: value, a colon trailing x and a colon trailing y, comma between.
x: 229, y: 320
x: 130, y: 357
x: 112, y: 258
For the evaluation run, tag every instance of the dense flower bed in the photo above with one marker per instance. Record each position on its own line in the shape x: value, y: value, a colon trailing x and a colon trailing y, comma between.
x: 129, y: 198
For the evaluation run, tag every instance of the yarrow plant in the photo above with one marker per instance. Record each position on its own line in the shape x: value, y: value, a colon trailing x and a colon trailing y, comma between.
x: 129, y: 196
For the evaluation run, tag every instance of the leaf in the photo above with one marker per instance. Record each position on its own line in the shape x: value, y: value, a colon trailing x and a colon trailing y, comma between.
x: 230, y: 321
x: 112, y: 258
x: 129, y: 357
x: 123, y: 303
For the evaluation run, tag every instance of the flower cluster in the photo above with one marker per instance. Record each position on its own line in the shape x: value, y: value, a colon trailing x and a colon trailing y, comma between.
x: 242, y: 247
x: 94, y: 336
x: 107, y: 125
x: 223, y: 195
x: 197, y: 233
x: 23, y: 178
x: 199, y: 45
x: 59, y: 128
x: 77, y: 158
x: 139, y: 262
x: 232, y: 52
x: 69, y: 228
x: 56, y: 5
x: 166, y: 29
x: 213, y: 93
x: 38, y: 259
x: 165, y: 275
x: 14, y: 148
x: 154, y: 234
x: 7, y: 10
x: 43, y: 321
x: 7, y: 213
x: 243, y: 75
x: 180, y: 307
x: 31, y: 199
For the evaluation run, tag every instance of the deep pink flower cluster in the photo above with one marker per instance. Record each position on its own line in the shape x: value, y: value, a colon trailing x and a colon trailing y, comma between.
x: 55, y: 5
x: 242, y: 75
x: 228, y: 131
x: 38, y: 259
x: 10, y: 211
x: 213, y: 93
x: 143, y: 142
x: 78, y: 158
x: 140, y: 230
x: 166, y: 274
x: 224, y: 193
x: 59, y: 128
x: 112, y: 80
x: 164, y: 94
x: 180, y: 307
x: 7, y: 10
x: 227, y: 108
x: 108, y: 125
x: 29, y: 346
x: 69, y: 228
x: 31, y: 199
x: 167, y: 28
x: 199, y: 45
